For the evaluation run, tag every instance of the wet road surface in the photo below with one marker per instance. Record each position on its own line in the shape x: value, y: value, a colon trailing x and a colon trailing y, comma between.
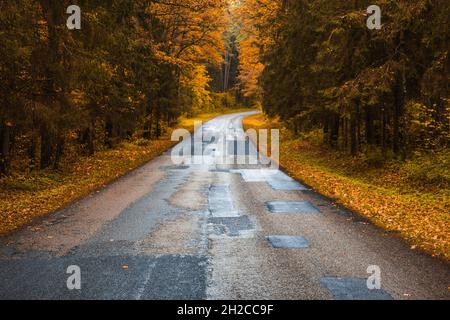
x: 212, y: 230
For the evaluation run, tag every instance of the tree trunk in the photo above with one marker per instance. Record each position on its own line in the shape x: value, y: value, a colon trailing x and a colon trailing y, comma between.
x: 46, y: 147
x: 158, y: 122
x: 334, y: 130
x: 148, y: 128
x: 326, y: 131
x: 384, y: 132
x: 345, y: 134
x: 109, y: 128
x: 32, y: 149
x: 358, y: 125
x: 370, y: 132
x: 397, y: 115
x: 353, y: 135
x: 148, y: 122
x: 91, y: 138
x: 5, y: 140
x: 59, y: 150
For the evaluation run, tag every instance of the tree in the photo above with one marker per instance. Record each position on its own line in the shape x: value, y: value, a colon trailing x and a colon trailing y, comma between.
x: 132, y: 69
x: 323, y: 68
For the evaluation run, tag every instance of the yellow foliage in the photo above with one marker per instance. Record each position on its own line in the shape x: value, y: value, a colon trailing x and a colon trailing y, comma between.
x: 252, y: 14
x: 197, y: 79
x: 193, y: 30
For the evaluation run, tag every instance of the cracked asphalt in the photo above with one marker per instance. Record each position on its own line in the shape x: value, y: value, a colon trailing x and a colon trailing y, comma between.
x: 212, y: 230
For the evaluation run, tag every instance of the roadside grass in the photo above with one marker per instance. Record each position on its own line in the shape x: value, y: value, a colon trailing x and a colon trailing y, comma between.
x: 25, y: 197
x: 409, y: 198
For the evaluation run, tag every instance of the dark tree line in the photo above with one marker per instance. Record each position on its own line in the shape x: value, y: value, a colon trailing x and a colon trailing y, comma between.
x: 131, y: 70
x: 385, y: 90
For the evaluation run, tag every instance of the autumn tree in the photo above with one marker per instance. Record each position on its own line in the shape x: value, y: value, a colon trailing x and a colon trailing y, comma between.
x: 322, y: 68
x: 131, y: 71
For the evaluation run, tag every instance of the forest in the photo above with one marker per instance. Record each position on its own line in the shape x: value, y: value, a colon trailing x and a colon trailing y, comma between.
x: 317, y: 66
x: 131, y: 70
x: 136, y: 66
x: 364, y: 113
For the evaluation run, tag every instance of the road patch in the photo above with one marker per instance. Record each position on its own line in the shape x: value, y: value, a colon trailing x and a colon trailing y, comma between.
x: 288, y: 242
x: 277, y: 179
x: 353, y: 289
x: 220, y: 203
x: 231, y: 226
x: 299, y: 207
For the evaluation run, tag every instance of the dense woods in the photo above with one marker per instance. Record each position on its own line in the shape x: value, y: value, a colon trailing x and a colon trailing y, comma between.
x: 130, y: 72
x: 136, y: 66
x: 317, y: 66
x: 364, y: 114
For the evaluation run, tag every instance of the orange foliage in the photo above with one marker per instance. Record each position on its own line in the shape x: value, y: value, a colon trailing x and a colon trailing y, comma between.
x: 253, y: 16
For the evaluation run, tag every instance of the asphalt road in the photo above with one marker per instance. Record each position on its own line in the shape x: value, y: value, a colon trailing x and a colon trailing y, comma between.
x: 212, y: 230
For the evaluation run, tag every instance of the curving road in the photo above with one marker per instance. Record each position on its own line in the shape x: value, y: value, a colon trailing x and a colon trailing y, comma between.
x: 213, y: 230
